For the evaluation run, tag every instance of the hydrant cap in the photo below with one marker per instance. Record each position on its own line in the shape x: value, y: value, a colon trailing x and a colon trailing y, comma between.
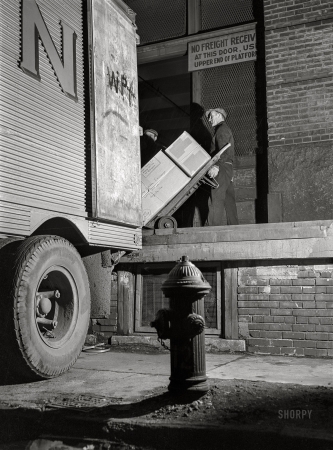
x: 185, y: 278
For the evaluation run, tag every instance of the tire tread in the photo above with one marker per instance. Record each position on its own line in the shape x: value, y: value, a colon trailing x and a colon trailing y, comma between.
x: 23, y: 263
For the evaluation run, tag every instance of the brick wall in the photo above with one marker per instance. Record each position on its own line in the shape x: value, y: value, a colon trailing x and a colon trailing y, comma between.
x: 289, y: 12
x: 299, y: 77
x: 287, y: 310
x: 299, y: 69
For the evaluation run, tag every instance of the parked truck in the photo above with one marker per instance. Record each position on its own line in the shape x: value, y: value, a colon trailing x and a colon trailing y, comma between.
x: 69, y: 170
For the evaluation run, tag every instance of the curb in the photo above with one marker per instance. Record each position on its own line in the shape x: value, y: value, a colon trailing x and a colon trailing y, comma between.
x: 31, y: 424
x: 196, y: 436
x: 211, y: 344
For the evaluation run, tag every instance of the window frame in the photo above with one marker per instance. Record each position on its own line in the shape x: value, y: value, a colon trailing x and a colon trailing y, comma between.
x: 178, y: 47
x: 138, y: 328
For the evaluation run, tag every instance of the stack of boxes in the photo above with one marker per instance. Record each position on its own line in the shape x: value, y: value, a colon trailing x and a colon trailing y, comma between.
x: 165, y: 175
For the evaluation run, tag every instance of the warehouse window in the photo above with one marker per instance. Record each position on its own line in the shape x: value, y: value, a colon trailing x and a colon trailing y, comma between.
x: 159, y: 20
x: 219, y: 14
x: 150, y: 298
x: 234, y: 87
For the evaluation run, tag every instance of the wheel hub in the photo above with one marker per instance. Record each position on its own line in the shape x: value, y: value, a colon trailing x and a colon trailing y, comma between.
x: 44, y: 306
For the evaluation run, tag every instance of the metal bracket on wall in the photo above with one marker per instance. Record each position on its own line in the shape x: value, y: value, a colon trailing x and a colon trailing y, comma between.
x: 111, y: 259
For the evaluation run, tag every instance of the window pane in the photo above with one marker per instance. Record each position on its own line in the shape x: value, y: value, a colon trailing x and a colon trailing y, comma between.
x: 159, y: 20
x: 218, y: 14
x: 153, y: 298
x: 234, y: 88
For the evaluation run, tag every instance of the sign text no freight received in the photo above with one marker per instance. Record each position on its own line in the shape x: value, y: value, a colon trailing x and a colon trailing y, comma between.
x: 222, y: 50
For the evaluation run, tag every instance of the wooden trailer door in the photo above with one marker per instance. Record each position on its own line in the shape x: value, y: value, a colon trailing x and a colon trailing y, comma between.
x: 115, y: 122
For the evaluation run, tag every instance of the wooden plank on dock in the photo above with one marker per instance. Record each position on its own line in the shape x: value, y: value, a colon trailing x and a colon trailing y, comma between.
x: 235, y: 251
x: 294, y: 240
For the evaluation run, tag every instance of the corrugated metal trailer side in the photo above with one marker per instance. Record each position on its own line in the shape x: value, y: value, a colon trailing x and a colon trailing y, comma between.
x: 54, y: 208
x: 42, y: 129
x: 45, y: 142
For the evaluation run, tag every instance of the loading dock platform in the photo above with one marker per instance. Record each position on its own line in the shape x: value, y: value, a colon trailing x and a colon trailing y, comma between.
x: 272, y: 241
x: 273, y: 284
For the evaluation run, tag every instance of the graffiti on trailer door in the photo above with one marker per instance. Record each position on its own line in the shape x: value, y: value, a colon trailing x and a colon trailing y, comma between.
x: 121, y: 84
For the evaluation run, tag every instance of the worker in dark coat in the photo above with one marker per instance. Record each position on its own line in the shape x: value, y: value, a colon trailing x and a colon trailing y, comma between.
x: 149, y: 147
x: 224, y: 196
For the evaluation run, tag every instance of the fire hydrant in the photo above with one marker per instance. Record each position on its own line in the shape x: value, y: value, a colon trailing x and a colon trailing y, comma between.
x: 184, y: 325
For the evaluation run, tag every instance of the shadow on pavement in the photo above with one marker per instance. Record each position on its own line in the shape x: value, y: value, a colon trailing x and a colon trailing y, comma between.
x: 232, y: 415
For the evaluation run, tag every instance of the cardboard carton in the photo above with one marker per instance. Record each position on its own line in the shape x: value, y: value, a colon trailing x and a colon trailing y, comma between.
x: 188, y: 154
x: 158, y: 194
x: 157, y: 168
x: 168, y: 173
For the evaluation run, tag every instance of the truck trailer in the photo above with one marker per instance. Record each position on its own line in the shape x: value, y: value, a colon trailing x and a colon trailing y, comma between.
x: 69, y: 170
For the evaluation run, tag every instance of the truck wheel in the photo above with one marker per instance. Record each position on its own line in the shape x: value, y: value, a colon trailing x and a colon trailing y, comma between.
x: 46, y: 309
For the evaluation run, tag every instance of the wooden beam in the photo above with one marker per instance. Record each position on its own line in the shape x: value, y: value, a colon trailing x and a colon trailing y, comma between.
x: 236, y: 251
x: 178, y: 47
x: 238, y: 243
x: 230, y: 315
x: 254, y: 232
x: 126, y: 282
x: 194, y: 16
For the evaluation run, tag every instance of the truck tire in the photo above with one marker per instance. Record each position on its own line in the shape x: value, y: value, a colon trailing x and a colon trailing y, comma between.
x: 45, y: 309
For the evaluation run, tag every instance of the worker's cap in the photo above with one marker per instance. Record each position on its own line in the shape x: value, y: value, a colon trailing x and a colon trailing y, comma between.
x: 219, y: 110
x: 150, y: 130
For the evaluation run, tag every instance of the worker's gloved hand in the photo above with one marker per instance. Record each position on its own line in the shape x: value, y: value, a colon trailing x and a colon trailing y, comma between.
x: 213, y: 171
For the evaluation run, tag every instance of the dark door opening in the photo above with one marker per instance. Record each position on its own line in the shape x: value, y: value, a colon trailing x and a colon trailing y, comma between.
x: 165, y: 96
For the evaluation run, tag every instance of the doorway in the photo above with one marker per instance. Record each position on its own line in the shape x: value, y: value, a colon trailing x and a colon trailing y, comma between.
x: 164, y: 98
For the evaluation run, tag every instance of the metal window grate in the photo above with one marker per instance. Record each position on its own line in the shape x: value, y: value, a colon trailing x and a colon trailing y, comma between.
x: 159, y: 20
x: 153, y: 298
x: 233, y: 88
x: 211, y: 298
x: 217, y: 13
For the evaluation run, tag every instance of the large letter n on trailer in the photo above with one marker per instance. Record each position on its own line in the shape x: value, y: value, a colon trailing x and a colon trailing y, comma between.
x: 33, y: 26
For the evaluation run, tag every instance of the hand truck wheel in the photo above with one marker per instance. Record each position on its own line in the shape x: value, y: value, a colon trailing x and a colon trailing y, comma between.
x: 166, y: 222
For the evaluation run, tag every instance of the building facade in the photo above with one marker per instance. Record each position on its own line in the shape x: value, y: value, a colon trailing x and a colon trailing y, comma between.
x: 272, y: 277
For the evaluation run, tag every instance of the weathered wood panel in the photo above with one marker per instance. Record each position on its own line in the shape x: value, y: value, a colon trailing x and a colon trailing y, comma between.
x: 117, y: 145
x: 238, y: 233
x: 125, y: 302
x: 230, y: 304
x: 259, y: 242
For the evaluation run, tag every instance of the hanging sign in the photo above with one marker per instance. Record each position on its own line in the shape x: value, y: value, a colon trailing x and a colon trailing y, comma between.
x: 222, y: 50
